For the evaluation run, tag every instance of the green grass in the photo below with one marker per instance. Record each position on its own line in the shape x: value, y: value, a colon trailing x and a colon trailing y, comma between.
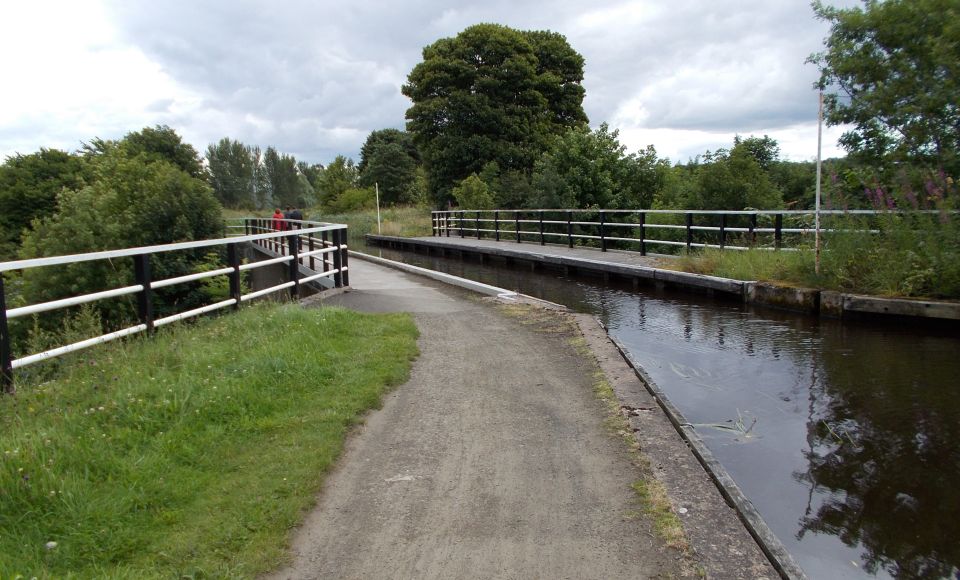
x: 405, y: 221
x: 192, y: 453
x: 785, y: 267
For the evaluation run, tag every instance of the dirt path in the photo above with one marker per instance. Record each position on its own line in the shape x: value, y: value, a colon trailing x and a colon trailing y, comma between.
x: 491, y: 462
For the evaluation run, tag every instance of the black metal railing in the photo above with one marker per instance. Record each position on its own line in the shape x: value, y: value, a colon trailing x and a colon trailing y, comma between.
x: 639, y: 229
x: 295, y: 243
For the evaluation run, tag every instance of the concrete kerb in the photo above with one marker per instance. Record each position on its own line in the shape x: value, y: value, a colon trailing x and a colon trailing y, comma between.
x: 778, y: 555
x: 769, y: 544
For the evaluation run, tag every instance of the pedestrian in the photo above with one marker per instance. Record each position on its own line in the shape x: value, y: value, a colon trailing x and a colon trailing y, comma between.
x: 297, y: 216
x: 278, y: 220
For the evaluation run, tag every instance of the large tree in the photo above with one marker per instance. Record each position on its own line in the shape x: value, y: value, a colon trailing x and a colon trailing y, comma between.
x: 29, y: 185
x: 592, y: 169
x: 135, y: 198
x: 491, y: 93
x: 381, y: 137
x: 892, y: 70
x: 232, y: 173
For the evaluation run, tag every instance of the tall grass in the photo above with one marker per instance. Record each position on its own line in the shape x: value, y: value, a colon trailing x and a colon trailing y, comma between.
x: 787, y: 267
x: 405, y: 221
x: 191, y: 453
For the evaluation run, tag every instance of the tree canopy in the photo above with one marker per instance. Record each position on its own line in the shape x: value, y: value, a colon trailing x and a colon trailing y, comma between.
x: 892, y: 70
x: 29, y: 185
x: 134, y: 197
x: 491, y: 93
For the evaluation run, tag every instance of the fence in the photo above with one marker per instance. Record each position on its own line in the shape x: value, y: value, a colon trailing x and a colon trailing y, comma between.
x: 634, y: 229
x: 291, y: 245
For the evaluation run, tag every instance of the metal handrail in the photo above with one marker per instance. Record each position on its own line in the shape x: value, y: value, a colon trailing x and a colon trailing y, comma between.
x: 721, y: 227
x: 286, y: 242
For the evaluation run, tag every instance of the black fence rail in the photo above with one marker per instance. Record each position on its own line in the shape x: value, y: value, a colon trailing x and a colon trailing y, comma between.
x: 296, y: 243
x: 667, y: 231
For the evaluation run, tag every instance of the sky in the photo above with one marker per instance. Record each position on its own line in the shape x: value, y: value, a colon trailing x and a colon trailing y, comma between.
x: 313, y: 78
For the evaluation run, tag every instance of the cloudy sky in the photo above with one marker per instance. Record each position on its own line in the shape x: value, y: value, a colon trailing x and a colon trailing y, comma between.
x: 314, y: 77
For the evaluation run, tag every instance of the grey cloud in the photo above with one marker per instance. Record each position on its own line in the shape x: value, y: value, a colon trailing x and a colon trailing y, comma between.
x: 322, y: 75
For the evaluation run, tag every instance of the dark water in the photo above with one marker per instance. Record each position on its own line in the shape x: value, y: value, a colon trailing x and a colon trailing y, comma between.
x: 845, y: 437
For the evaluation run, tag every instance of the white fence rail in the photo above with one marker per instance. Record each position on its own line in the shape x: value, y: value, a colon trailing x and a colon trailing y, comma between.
x: 296, y: 243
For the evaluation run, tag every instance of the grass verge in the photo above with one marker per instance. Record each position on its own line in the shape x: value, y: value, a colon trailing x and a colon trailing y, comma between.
x: 192, y: 453
x: 404, y: 221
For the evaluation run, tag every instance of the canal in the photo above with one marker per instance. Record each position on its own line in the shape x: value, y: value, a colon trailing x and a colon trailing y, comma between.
x: 846, y: 437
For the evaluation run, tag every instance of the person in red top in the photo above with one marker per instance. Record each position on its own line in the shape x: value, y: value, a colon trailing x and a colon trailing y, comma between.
x: 278, y: 223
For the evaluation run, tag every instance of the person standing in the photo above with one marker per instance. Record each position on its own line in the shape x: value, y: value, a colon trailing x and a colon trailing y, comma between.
x: 296, y: 215
x: 278, y: 220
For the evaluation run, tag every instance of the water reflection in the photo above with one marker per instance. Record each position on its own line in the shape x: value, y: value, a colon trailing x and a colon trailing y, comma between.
x: 883, y: 438
x: 844, y: 437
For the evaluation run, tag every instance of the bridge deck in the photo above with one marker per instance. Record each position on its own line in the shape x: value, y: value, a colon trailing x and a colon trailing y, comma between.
x: 616, y: 262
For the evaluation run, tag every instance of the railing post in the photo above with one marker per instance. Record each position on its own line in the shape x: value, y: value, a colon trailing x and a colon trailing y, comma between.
x: 344, y: 259
x: 6, y: 360
x: 643, y: 233
x: 541, y: 227
x: 233, y: 258
x: 753, y: 228
x: 338, y: 276
x: 433, y: 224
x: 477, y: 223
x: 603, y: 237
x: 569, y: 229
x: 723, y: 230
x: 323, y: 257
x: 310, y: 248
x: 496, y: 224
x: 463, y: 216
x: 778, y: 231
x: 516, y: 223
x: 446, y: 222
x: 689, y: 231
x: 141, y: 273
x: 293, y: 250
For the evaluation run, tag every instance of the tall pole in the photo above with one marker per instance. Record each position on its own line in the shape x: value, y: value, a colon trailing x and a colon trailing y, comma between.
x: 376, y: 186
x: 817, y: 212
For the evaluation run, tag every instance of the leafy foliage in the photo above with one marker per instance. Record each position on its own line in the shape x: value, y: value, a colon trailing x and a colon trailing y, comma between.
x: 392, y: 168
x: 592, y: 169
x: 338, y: 177
x: 732, y: 180
x: 895, y: 65
x: 29, y: 185
x: 491, y: 93
x: 473, y: 193
x: 134, y: 199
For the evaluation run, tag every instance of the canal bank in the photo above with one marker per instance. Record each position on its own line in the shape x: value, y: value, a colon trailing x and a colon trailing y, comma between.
x: 844, y: 435
x: 648, y: 270
x: 494, y: 460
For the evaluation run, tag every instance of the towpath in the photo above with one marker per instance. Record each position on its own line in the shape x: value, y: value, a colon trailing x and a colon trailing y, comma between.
x: 492, y: 461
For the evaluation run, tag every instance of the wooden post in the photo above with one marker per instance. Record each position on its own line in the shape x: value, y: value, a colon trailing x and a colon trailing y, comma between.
x: 294, y: 251
x: 338, y: 276
x: 778, y: 231
x: 233, y: 258
x: 141, y: 272
x: 643, y: 234
x: 603, y: 237
x: 689, y: 231
x: 516, y: 223
x: 541, y: 227
x: 496, y: 224
x: 569, y: 229
x: 6, y: 361
x: 723, y: 230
